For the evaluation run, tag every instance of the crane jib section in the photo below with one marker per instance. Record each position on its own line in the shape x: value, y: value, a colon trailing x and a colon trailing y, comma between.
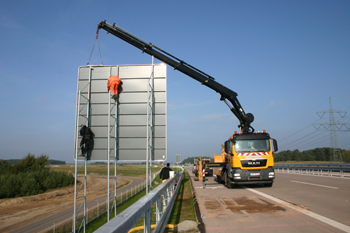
x: 203, y: 78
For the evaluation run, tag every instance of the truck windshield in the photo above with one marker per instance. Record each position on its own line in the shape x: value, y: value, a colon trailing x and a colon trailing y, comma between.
x: 260, y: 145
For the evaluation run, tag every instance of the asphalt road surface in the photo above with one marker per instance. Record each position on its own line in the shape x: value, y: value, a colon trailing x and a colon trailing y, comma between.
x: 295, y: 203
x: 68, y: 214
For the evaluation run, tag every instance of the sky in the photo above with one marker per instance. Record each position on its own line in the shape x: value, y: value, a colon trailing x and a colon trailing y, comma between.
x: 285, y: 59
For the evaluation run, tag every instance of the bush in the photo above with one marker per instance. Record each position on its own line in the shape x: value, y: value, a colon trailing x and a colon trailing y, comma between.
x: 30, y: 177
x: 5, y: 167
x: 30, y: 164
x: 2, y: 190
x: 58, y: 180
x: 12, y: 186
x: 30, y: 186
x: 41, y: 176
x: 69, y: 180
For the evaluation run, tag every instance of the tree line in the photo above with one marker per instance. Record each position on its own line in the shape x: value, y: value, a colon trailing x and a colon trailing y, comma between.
x: 317, y: 154
x: 190, y: 160
x: 29, y: 176
x: 49, y: 162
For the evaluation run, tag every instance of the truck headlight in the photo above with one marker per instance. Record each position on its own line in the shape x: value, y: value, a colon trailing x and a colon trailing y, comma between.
x: 237, y: 176
x: 271, y: 174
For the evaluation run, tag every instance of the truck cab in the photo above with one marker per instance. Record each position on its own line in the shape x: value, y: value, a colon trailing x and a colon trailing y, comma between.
x: 247, y: 159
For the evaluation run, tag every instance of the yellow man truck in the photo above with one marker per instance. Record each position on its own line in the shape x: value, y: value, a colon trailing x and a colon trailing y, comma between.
x: 246, y: 158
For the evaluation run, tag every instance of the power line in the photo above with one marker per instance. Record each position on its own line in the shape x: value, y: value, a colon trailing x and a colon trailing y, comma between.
x: 333, y: 126
x: 291, y: 144
x: 311, y: 138
x: 316, y: 141
x: 324, y: 138
x: 297, y: 132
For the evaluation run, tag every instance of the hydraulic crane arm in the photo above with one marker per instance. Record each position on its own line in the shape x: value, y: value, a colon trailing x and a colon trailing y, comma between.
x: 226, y: 94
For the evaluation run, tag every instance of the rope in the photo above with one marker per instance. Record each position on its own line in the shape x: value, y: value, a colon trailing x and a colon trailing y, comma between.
x: 98, y: 42
x: 99, y: 49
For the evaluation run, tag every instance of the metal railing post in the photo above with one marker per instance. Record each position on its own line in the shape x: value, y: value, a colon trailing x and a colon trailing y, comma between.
x: 158, y: 209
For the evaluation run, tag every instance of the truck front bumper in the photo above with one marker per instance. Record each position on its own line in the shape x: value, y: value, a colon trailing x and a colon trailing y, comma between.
x: 252, y: 176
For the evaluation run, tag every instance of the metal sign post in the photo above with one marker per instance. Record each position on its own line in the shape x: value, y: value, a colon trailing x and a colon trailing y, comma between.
x: 203, y: 174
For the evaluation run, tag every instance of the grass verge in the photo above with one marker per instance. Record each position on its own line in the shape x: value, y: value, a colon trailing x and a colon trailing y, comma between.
x: 131, y: 170
x: 97, y: 222
x: 183, y: 209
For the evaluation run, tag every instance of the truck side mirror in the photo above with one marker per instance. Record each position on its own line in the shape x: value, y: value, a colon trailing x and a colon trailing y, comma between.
x: 228, y: 147
x: 275, y: 147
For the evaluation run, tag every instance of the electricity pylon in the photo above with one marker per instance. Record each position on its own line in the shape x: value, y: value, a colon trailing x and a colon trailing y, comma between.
x: 333, y: 126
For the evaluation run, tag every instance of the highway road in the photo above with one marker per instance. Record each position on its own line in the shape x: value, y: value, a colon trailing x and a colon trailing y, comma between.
x: 68, y: 214
x: 295, y: 203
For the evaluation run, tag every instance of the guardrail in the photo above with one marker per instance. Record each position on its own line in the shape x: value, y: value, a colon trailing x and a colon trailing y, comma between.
x: 164, y: 197
x: 332, y: 169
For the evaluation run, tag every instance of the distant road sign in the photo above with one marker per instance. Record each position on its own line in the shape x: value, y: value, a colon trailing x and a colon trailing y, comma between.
x: 178, y: 158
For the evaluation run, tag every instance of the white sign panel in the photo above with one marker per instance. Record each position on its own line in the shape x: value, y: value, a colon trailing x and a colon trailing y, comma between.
x: 128, y: 141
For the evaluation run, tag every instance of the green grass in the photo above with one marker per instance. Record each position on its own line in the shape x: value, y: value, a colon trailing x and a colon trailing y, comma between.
x: 183, y: 207
x: 130, y: 170
x: 103, y: 219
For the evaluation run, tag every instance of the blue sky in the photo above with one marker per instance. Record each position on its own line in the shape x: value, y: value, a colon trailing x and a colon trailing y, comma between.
x: 283, y: 58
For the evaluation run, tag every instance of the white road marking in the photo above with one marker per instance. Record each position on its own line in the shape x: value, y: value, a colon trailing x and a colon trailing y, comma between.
x: 200, y: 187
x: 303, y: 211
x: 324, y: 186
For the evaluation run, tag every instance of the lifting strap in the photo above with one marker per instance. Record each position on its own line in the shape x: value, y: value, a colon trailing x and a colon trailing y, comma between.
x: 94, y: 47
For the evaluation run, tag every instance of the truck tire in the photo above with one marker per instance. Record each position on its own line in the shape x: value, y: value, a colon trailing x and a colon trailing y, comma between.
x: 218, y: 179
x: 228, y: 183
x: 269, y: 184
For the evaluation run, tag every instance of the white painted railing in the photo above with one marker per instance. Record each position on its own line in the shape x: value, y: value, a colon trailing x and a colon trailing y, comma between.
x: 164, y: 197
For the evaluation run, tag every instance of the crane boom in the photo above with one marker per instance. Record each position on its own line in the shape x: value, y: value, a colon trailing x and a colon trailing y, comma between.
x: 226, y: 94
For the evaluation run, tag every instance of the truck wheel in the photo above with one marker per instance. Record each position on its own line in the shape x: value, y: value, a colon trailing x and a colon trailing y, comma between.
x: 225, y: 179
x: 228, y: 181
x: 218, y: 179
x: 268, y: 185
